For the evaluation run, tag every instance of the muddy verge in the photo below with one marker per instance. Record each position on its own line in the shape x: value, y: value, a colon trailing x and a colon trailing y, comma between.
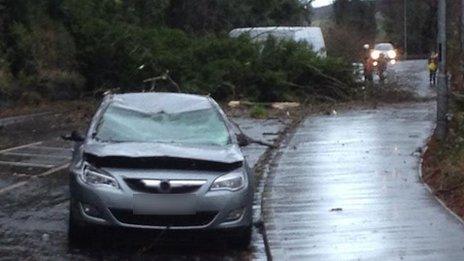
x: 443, y: 171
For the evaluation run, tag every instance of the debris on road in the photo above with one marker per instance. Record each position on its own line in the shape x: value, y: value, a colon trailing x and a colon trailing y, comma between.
x: 233, y: 104
x: 332, y: 112
x: 271, y: 133
x: 243, y: 138
x: 275, y: 105
x: 285, y: 105
x: 45, y: 237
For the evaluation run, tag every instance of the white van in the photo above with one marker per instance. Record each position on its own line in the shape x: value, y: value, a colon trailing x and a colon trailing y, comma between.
x: 312, y: 35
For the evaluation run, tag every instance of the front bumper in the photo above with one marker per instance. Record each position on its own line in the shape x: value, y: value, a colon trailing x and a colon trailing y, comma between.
x: 115, y: 208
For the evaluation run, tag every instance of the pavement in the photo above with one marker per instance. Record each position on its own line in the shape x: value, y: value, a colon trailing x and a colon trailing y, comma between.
x: 34, y: 199
x: 348, y: 187
x: 412, y: 75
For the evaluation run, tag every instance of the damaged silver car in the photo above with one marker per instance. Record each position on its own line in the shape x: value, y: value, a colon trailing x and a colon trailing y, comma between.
x: 160, y: 161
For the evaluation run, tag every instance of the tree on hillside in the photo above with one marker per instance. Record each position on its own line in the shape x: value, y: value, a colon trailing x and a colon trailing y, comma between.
x: 354, y: 24
x: 223, y: 15
x: 421, y: 23
x: 356, y: 14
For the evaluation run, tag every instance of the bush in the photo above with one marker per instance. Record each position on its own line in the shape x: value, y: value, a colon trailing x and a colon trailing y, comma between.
x: 61, y: 85
x: 30, y: 98
x: 6, y: 82
x: 46, y: 55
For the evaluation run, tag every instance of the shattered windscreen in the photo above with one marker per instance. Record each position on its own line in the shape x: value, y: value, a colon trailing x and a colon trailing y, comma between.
x: 202, y: 127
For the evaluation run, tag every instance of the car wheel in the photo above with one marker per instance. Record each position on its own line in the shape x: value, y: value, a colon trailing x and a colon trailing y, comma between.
x: 241, y: 238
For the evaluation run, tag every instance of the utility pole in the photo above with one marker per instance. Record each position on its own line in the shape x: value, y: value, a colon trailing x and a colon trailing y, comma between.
x: 405, y: 28
x: 462, y: 45
x: 442, y: 92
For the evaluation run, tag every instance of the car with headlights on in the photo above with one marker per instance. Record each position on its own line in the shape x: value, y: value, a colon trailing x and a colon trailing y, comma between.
x: 388, y: 51
x: 160, y: 161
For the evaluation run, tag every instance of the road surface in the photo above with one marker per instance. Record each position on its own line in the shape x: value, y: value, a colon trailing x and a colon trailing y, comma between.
x: 347, y: 187
x: 344, y: 187
x: 34, y: 200
x: 412, y: 75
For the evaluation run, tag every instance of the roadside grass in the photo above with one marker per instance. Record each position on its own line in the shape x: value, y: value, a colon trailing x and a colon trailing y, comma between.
x: 443, y: 166
x: 258, y: 111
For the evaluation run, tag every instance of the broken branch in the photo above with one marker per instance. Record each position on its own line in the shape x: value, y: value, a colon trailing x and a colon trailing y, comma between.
x: 250, y: 139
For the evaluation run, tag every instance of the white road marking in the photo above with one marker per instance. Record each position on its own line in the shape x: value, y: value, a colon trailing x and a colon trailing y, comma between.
x: 52, y: 171
x: 35, y: 155
x: 11, y: 187
x: 26, y: 164
x: 43, y: 174
x: 51, y: 148
x: 21, y: 118
x: 22, y: 146
x: 51, y: 168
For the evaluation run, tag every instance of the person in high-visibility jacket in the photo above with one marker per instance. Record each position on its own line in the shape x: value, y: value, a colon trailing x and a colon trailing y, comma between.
x: 433, y: 67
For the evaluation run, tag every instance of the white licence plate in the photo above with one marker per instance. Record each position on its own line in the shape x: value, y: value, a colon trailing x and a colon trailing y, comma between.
x: 164, y: 204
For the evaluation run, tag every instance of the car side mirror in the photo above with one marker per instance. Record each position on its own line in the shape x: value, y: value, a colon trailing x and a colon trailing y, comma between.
x: 74, y: 136
x: 242, y: 140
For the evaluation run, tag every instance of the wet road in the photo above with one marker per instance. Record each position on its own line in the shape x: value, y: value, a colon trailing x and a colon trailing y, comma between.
x: 34, y: 202
x: 347, y: 187
x: 412, y: 75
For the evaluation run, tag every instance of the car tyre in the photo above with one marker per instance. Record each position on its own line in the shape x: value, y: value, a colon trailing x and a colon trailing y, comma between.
x: 241, y: 238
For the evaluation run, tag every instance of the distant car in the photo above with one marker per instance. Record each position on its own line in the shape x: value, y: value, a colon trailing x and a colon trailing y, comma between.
x: 160, y: 161
x: 387, y: 49
x: 311, y: 35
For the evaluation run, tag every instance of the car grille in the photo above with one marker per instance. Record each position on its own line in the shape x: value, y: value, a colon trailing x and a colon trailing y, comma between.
x: 183, y: 186
x: 196, y: 220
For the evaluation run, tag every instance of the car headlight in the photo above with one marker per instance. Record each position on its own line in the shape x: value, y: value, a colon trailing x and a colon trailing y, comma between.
x: 375, y: 55
x: 95, y: 177
x: 391, y: 54
x: 233, y: 181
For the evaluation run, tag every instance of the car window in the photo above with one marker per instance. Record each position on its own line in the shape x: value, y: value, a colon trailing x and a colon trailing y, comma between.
x: 121, y: 124
x: 278, y: 34
x: 384, y: 47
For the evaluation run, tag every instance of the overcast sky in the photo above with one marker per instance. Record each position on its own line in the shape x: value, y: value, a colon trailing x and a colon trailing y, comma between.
x: 319, y: 3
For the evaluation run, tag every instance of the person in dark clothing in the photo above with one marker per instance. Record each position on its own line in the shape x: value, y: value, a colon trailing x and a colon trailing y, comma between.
x: 382, y: 64
x: 368, y: 64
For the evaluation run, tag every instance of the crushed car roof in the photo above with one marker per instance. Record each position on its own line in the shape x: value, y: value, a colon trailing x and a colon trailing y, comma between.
x: 153, y: 102
x: 169, y: 103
